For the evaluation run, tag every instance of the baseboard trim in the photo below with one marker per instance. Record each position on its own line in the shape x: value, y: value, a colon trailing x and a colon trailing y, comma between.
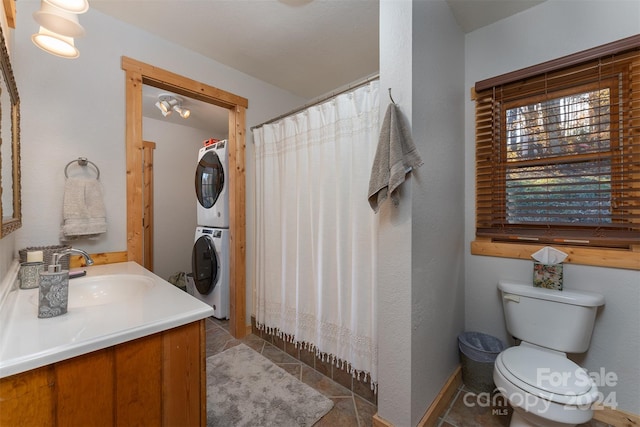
x: 616, y: 417
x: 380, y: 422
x: 444, y: 398
x: 437, y: 407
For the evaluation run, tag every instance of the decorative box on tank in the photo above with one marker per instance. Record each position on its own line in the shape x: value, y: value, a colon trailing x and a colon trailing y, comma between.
x: 547, y: 276
x: 547, y: 268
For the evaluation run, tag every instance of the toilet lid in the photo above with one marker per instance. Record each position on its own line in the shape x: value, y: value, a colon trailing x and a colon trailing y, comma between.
x: 547, y: 371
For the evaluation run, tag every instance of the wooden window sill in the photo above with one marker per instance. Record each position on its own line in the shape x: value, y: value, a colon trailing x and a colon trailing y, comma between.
x: 600, y: 257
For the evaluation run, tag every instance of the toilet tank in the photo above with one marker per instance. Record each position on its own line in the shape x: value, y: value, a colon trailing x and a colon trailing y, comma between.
x: 558, y: 320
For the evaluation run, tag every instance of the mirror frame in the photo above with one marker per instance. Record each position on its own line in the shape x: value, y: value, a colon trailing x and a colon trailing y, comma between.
x: 10, y: 224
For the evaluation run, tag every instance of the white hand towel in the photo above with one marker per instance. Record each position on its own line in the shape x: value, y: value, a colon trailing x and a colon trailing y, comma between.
x: 396, y: 155
x: 83, y: 209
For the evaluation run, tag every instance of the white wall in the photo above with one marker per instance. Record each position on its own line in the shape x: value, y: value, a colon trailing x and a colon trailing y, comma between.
x: 420, y: 269
x: 174, y: 165
x: 73, y: 108
x: 394, y: 256
x: 551, y: 30
x: 6, y: 254
x: 437, y: 213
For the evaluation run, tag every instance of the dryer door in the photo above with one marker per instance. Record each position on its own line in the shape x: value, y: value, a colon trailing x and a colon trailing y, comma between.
x: 209, y: 179
x: 205, y: 264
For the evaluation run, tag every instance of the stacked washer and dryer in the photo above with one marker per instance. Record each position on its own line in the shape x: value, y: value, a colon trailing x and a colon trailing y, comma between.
x: 210, y: 255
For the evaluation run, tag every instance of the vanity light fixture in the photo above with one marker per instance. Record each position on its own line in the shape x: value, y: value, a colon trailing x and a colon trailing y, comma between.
x: 58, y: 21
x: 169, y: 103
x: 55, y: 44
x: 59, y: 24
x: 73, y: 6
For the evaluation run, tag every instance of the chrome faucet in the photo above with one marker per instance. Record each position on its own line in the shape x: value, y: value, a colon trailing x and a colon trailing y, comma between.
x: 55, y: 259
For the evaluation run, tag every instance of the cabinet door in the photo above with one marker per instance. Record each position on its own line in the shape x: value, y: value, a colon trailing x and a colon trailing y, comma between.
x: 27, y: 399
x: 83, y: 386
x: 184, y: 380
x: 139, y: 382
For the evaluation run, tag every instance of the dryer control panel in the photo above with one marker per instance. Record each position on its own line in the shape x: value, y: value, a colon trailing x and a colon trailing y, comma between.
x: 212, y: 232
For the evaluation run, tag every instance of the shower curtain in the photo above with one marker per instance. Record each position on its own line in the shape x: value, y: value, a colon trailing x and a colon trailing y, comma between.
x: 316, y: 241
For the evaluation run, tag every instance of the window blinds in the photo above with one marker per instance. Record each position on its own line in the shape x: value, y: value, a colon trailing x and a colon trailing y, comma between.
x: 558, y: 150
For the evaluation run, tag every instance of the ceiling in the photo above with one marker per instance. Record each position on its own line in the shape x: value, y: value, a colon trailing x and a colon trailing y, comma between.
x: 307, y: 47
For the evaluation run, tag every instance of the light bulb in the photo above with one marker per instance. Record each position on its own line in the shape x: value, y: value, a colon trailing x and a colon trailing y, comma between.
x: 184, y: 113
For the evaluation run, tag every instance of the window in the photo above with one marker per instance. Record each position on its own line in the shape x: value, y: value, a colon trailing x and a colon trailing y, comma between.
x: 558, y: 151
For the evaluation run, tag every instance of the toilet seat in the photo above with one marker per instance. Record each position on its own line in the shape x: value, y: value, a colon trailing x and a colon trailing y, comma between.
x: 546, y: 374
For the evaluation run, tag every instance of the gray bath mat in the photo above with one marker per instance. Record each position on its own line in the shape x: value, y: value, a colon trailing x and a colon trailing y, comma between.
x: 246, y: 389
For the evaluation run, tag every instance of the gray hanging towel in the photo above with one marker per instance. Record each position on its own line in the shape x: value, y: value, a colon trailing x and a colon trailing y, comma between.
x: 395, y: 157
x: 83, y: 210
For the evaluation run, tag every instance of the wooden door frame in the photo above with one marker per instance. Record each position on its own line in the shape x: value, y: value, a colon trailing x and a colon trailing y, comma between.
x: 138, y: 74
x: 147, y: 224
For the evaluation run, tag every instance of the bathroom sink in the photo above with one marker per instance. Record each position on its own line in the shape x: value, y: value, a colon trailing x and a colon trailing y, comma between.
x: 111, y: 305
x: 107, y: 289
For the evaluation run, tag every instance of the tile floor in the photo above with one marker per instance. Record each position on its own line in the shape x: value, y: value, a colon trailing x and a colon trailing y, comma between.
x: 470, y: 410
x: 360, y: 386
x: 349, y: 410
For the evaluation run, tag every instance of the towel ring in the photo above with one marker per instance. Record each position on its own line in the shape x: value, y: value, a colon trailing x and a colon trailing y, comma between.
x: 82, y: 161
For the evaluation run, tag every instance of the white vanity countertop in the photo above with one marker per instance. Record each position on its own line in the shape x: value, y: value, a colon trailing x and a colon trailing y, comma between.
x: 28, y: 342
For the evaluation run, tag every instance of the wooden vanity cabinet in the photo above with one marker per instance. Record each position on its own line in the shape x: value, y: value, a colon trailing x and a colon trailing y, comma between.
x: 157, y: 380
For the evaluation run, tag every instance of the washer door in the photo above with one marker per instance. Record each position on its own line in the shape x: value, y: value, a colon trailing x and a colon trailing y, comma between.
x: 205, y: 264
x: 209, y: 179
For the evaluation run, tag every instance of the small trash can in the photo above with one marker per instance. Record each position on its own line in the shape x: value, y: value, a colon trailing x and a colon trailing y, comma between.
x: 478, y: 353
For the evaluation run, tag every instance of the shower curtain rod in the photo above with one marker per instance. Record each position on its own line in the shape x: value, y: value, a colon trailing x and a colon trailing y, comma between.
x: 322, y: 98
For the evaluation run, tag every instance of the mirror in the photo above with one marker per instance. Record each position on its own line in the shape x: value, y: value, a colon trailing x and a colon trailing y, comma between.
x: 10, y: 208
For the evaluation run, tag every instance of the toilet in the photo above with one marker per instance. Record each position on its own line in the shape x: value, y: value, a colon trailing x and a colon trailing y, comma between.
x: 545, y: 388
